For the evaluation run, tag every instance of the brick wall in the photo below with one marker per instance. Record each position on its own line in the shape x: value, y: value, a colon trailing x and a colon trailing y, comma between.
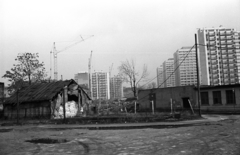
x: 164, y: 95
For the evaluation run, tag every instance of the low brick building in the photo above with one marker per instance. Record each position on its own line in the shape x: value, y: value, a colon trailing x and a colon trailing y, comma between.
x: 214, y: 99
x: 163, y: 97
x: 220, y: 99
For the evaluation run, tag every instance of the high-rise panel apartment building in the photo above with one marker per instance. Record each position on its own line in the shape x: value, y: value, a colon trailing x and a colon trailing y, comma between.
x: 185, y: 66
x: 116, y: 88
x: 219, y: 56
x: 168, y: 73
x: 100, y: 85
x: 82, y: 78
x: 160, y: 78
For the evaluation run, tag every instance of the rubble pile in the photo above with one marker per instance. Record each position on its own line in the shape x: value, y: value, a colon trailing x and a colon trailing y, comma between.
x: 71, y: 109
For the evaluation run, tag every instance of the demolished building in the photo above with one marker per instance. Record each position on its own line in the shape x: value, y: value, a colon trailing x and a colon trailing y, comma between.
x: 47, y: 100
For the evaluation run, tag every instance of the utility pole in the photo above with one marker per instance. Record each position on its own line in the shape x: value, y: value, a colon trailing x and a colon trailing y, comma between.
x: 90, y: 75
x: 50, y: 65
x: 198, y: 82
x: 17, y: 106
x: 112, y: 94
x: 65, y: 99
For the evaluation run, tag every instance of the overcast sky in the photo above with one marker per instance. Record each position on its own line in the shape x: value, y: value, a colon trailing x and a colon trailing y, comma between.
x: 148, y: 31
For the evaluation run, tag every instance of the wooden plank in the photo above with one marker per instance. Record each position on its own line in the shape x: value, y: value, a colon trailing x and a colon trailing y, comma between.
x: 190, y: 106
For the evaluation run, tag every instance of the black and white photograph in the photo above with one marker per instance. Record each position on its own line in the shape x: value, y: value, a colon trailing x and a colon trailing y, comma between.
x: 119, y: 77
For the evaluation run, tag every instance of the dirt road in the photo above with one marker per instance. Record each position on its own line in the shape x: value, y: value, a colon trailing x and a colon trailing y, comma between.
x: 216, y: 138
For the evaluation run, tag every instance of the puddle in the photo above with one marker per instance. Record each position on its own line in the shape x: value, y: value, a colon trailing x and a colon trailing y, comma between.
x: 85, y: 146
x: 5, y: 130
x: 47, y: 141
x: 224, y: 134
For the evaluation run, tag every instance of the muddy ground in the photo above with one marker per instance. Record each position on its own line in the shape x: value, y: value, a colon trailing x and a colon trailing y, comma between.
x: 215, y: 138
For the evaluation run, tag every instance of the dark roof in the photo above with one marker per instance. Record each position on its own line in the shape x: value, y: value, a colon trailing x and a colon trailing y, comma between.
x: 202, y: 87
x: 205, y: 87
x: 39, y: 92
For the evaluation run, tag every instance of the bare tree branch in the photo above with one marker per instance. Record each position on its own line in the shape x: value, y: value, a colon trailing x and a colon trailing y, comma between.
x: 128, y: 71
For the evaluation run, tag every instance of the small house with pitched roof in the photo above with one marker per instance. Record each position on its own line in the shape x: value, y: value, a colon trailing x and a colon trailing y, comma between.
x: 46, y: 100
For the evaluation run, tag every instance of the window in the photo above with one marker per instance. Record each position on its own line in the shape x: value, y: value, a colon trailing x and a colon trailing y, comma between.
x: 204, y: 98
x: 230, y: 96
x: 217, y: 98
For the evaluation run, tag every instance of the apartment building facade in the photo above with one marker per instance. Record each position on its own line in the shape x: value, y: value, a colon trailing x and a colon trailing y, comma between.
x: 168, y: 73
x: 219, y: 56
x: 116, y: 87
x: 100, y: 85
x: 185, y: 66
x: 160, y: 78
x: 82, y: 78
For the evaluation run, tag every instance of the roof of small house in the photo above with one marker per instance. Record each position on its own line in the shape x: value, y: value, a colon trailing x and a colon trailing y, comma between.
x: 39, y: 92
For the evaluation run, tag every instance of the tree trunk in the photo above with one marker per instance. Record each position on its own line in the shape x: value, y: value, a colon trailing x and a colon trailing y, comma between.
x: 135, y: 93
x: 29, y: 79
x: 134, y: 89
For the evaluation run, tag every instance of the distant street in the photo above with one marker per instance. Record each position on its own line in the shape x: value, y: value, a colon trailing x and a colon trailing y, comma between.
x: 215, y: 138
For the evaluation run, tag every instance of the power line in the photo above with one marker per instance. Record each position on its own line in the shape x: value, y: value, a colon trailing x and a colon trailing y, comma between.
x: 219, y: 47
x: 184, y: 59
x: 173, y: 71
x: 177, y: 66
x: 163, y: 71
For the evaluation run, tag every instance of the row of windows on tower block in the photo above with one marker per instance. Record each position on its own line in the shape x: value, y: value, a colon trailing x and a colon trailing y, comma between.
x: 220, y: 32
x: 225, y: 79
x: 222, y: 52
x: 223, y: 60
x: 224, y: 66
x: 221, y: 47
x: 221, y: 39
x: 223, y: 73
x: 225, y: 82
x: 217, y: 97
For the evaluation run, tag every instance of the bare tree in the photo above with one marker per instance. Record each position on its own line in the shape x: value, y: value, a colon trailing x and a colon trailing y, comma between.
x: 149, y: 86
x: 154, y: 85
x: 128, y: 72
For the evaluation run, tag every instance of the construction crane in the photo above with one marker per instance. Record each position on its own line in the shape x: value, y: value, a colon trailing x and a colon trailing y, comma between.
x: 110, y: 70
x: 90, y: 73
x: 112, y: 94
x: 55, y: 52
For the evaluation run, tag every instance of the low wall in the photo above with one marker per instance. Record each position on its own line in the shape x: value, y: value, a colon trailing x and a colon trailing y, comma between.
x: 28, y: 110
x: 164, y: 96
x: 221, y: 109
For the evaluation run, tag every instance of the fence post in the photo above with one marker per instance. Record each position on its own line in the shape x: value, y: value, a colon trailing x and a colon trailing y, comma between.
x: 17, y: 106
x: 135, y: 105
x: 152, y: 107
x: 65, y: 98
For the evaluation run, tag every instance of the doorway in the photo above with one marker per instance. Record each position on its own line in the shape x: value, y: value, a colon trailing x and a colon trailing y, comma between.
x: 186, y: 103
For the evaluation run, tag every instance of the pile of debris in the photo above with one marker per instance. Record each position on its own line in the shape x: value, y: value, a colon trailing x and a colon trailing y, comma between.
x: 71, y: 109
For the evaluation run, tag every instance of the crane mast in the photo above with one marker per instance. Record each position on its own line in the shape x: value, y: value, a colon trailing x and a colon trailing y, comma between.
x: 110, y: 70
x: 112, y: 94
x: 90, y: 73
x: 55, y: 52
x: 55, y: 62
